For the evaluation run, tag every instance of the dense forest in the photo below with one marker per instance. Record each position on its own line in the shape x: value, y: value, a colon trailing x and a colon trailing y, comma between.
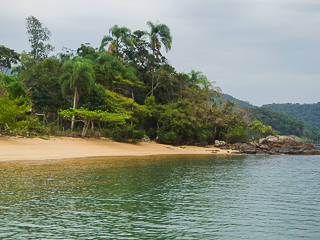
x: 283, y: 121
x: 308, y: 113
x: 124, y: 89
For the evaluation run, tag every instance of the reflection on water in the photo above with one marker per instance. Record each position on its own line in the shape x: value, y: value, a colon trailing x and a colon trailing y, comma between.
x: 153, y: 197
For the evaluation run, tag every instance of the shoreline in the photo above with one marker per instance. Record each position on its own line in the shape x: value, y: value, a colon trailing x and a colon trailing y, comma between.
x: 22, y: 148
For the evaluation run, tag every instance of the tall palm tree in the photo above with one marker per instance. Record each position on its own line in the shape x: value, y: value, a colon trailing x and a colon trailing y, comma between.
x: 196, y: 77
x: 120, y: 37
x: 159, y: 34
x: 78, y: 76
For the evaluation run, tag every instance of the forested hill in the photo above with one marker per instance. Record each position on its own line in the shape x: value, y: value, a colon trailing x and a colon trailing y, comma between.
x: 308, y: 113
x: 285, y: 123
x: 240, y: 103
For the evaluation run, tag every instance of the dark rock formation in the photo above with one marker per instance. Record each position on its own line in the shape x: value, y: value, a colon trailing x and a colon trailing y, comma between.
x: 276, y: 145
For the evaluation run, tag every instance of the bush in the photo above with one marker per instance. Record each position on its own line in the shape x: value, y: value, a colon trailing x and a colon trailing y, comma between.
x: 127, y: 134
x: 33, y: 125
x: 237, y: 134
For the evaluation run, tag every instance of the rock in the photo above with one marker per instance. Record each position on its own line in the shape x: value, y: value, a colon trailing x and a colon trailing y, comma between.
x: 261, y: 140
x: 275, y: 145
x: 264, y: 147
x: 146, y: 139
x: 218, y: 143
x: 245, y: 148
x: 272, y: 139
x: 287, y: 139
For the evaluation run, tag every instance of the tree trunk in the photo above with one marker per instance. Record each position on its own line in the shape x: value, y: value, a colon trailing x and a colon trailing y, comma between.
x: 132, y: 107
x: 85, y: 128
x: 74, y: 106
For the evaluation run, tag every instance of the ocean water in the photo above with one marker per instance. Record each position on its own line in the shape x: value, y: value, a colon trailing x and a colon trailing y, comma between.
x: 161, y: 197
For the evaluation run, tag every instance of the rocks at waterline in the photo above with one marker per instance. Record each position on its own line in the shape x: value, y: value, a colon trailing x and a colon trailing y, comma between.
x: 275, y: 145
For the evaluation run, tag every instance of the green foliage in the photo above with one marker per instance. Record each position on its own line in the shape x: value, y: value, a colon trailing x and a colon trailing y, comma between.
x: 46, y: 91
x: 95, y: 99
x: 8, y: 57
x: 119, y: 40
x: 15, y: 88
x: 38, y: 36
x: 308, y: 113
x: 312, y: 133
x: 78, y: 76
x: 159, y: 34
x: 237, y: 133
x: 87, y: 52
x: 187, y: 122
x: 26, y: 70
x: 260, y: 131
x: 33, y: 126
x: 281, y: 122
x: 10, y: 112
x: 124, y: 89
x: 112, y: 119
x: 124, y: 134
x: 119, y: 104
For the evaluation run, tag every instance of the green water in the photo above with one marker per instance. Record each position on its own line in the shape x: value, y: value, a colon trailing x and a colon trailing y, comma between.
x: 184, y: 197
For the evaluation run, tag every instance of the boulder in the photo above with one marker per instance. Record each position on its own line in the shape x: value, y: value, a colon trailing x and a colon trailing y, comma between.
x: 218, y: 143
x: 274, y: 145
x: 264, y: 147
x: 287, y: 139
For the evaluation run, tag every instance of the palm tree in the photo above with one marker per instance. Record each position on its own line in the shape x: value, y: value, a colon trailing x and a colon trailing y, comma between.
x: 120, y: 37
x: 159, y: 34
x: 78, y: 76
x: 196, y: 77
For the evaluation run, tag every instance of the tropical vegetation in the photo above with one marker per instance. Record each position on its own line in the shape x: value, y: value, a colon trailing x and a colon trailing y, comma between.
x: 125, y: 89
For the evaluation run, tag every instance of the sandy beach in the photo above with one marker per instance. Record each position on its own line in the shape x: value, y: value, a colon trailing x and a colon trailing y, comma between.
x: 21, y: 148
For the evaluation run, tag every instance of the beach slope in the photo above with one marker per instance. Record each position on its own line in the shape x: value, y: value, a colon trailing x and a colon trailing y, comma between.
x: 21, y: 148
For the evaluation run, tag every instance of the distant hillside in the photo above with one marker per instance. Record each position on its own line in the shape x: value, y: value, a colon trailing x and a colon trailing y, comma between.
x: 285, y: 124
x: 288, y: 119
x: 308, y: 113
x: 243, y: 104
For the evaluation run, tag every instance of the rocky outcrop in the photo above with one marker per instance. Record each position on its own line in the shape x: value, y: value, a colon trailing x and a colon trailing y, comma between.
x: 276, y: 145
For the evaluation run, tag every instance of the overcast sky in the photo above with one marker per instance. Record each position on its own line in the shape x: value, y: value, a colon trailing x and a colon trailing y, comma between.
x: 261, y: 51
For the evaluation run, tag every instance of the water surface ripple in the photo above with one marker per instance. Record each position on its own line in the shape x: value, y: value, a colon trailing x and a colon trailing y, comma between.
x: 172, y: 197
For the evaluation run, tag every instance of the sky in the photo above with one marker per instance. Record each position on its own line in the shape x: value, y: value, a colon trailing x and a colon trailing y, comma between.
x: 260, y: 51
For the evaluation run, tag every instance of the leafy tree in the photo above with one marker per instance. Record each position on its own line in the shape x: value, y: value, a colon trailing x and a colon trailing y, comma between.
x: 164, y: 85
x: 237, y: 133
x: 78, y: 76
x: 120, y: 38
x: 88, y: 52
x: 112, y: 74
x: 95, y: 99
x: 38, y: 36
x: 10, y: 110
x: 15, y: 88
x: 281, y: 122
x: 196, y: 78
x: 7, y: 58
x: 120, y: 104
x: 46, y: 92
x: 26, y: 70
x: 159, y: 34
x: 260, y: 131
x: 66, y: 54
x: 87, y: 116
